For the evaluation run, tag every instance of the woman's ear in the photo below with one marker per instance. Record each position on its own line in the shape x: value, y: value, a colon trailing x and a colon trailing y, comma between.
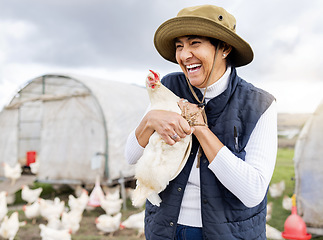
x: 226, y: 49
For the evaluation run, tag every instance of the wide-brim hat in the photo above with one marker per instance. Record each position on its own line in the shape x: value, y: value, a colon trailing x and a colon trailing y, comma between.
x: 208, y: 21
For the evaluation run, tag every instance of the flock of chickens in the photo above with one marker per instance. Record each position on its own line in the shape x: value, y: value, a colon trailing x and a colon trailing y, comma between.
x: 63, y: 220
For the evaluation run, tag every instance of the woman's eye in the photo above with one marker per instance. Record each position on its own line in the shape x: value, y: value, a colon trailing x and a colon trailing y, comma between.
x: 178, y: 46
x: 195, y: 42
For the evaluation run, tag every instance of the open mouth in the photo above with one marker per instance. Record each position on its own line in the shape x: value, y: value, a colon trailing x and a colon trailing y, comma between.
x: 193, y: 68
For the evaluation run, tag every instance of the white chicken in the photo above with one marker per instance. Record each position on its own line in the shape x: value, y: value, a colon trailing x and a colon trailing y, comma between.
x: 287, y: 203
x: 111, y: 206
x: 160, y: 162
x: 32, y: 211
x: 54, y: 222
x: 273, y: 233
x: 11, y: 198
x: 71, y: 220
x: 79, y: 203
x: 10, y: 226
x: 30, y: 195
x: 12, y: 173
x: 276, y: 189
x: 48, y: 233
x: 269, y: 211
x: 3, y: 204
x: 34, y: 167
x: 49, y: 209
x: 107, y: 223
x: 135, y: 221
x: 112, y: 193
x: 129, y: 192
x: 78, y: 189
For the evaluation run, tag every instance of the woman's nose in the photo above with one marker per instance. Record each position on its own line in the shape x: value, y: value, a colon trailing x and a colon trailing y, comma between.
x: 186, y: 53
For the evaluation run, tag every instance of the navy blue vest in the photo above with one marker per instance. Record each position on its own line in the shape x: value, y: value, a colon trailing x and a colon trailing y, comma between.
x: 224, y: 216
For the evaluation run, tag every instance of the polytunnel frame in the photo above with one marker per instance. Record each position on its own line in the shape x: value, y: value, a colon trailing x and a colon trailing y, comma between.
x: 106, y: 156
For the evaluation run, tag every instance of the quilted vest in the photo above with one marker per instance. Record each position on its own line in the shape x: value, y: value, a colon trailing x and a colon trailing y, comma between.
x: 224, y: 216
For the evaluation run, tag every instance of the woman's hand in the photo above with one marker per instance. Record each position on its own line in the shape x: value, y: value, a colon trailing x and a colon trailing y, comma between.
x: 192, y: 113
x: 169, y: 125
x: 209, y: 142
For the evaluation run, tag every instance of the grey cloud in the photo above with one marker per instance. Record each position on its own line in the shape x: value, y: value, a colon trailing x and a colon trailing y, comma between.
x: 87, y: 33
x: 101, y: 33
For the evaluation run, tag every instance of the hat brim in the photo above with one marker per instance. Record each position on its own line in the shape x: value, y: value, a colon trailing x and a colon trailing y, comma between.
x: 241, y: 54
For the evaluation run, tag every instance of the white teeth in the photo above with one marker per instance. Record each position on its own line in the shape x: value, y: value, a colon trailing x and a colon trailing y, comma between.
x: 193, y: 66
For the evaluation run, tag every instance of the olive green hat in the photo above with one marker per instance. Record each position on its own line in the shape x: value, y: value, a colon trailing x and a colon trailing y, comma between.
x: 208, y: 21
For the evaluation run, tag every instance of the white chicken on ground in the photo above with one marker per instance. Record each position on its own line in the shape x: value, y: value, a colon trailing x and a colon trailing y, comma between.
x: 49, y: 209
x: 12, y: 173
x: 111, y: 206
x: 54, y: 222
x: 30, y: 195
x: 48, y: 233
x: 112, y: 193
x: 277, y: 189
x: 160, y: 162
x: 129, y: 192
x: 273, y: 233
x: 135, y: 221
x: 78, y: 203
x: 3, y: 204
x: 287, y: 203
x: 32, y: 211
x: 78, y: 189
x: 10, y: 226
x: 269, y: 211
x: 108, y: 224
x: 71, y: 220
x: 34, y: 167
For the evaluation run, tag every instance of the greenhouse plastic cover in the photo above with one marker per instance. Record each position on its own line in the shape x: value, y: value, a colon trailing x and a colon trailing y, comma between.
x: 71, y: 122
x: 308, y: 159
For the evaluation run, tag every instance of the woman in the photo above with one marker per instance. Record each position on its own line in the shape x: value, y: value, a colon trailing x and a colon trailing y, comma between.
x: 221, y: 192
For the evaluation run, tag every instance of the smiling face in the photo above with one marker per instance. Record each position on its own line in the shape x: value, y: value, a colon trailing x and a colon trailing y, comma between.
x: 195, y: 55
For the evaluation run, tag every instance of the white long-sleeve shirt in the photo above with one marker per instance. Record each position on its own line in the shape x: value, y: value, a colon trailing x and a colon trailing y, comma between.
x: 248, y: 180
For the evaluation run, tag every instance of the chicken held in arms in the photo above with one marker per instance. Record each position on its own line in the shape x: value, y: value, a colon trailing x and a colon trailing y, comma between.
x: 160, y: 162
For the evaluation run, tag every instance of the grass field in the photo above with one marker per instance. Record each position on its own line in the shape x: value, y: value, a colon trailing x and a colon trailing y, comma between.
x: 284, y: 170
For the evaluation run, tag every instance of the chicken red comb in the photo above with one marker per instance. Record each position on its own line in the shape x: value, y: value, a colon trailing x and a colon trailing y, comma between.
x: 155, y: 74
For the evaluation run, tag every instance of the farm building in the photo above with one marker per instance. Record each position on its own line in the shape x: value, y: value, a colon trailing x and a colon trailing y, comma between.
x: 309, y: 172
x: 77, y: 126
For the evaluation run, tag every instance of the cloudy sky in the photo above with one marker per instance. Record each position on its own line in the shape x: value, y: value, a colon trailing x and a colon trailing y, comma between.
x: 113, y: 39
